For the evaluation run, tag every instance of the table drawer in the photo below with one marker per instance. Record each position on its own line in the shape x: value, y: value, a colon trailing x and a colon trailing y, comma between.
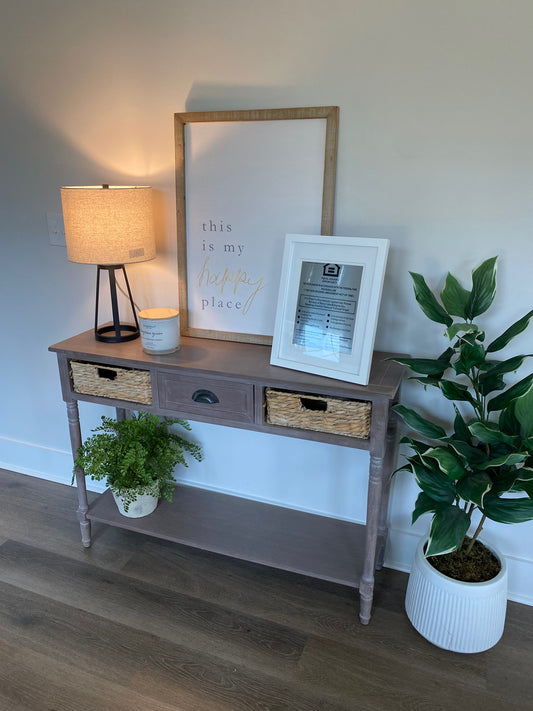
x: 100, y: 380
x: 351, y: 418
x: 215, y: 398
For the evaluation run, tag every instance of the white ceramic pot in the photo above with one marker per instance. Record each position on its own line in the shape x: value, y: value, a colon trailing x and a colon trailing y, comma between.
x: 453, y: 615
x: 143, y: 505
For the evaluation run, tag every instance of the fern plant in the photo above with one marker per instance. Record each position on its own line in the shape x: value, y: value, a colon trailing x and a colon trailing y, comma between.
x: 136, y: 456
x: 485, y: 462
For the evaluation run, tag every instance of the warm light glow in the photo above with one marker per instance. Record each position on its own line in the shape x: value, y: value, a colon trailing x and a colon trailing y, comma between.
x: 108, y: 225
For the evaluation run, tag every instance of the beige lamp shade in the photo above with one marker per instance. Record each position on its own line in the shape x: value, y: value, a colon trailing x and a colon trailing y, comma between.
x: 108, y: 225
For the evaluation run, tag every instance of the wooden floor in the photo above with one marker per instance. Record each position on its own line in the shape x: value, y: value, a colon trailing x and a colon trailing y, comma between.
x: 136, y: 624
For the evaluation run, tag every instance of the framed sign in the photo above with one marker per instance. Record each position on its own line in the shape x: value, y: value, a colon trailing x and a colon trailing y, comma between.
x: 328, y: 305
x: 244, y: 179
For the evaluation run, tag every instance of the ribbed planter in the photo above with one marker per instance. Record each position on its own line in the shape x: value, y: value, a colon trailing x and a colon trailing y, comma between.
x: 460, y: 617
x: 143, y: 505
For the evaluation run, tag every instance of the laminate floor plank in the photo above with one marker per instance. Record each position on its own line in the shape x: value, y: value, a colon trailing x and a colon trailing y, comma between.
x: 144, y: 625
x: 153, y: 609
x: 381, y: 683
x: 112, y: 652
x: 35, y: 510
x: 313, y: 607
x: 37, y: 682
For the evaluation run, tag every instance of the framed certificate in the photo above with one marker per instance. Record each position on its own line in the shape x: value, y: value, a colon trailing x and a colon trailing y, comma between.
x: 328, y: 305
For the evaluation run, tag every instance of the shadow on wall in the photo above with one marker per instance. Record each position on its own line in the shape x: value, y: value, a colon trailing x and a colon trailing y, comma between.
x: 225, y: 97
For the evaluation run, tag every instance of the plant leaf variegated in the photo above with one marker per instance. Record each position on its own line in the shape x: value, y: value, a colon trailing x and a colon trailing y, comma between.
x: 485, y: 463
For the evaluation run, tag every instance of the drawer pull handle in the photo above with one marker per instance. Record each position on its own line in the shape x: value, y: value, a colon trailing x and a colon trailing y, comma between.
x: 106, y: 373
x: 312, y: 404
x: 205, y: 396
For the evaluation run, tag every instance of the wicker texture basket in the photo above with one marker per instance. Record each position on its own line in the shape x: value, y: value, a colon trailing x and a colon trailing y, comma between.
x: 323, y: 414
x: 118, y: 383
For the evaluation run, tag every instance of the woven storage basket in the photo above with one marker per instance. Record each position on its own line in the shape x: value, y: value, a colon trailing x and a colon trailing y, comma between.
x: 107, y: 381
x: 323, y: 414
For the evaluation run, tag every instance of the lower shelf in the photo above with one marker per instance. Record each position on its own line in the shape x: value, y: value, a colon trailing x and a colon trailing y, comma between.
x: 304, y: 543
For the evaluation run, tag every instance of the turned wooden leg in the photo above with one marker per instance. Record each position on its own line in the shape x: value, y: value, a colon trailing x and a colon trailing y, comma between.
x: 75, y: 443
x: 388, y: 468
x: 366, y: 586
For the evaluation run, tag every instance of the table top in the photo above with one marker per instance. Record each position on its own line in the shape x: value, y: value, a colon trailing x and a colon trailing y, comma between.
x: 244, y: 361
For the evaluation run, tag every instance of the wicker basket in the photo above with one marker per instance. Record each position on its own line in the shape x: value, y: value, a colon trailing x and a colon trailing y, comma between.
x: 323, y: 414
x: 107, y: 381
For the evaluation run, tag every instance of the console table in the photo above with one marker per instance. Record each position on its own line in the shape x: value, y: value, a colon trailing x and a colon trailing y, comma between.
x: 225, y: 383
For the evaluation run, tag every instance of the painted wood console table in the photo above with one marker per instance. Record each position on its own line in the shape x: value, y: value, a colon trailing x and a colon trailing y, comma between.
x: 183, y: 384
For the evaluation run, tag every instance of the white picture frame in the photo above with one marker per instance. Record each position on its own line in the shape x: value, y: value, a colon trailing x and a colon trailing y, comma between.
x: 243, y: 180
x: 328, y: 305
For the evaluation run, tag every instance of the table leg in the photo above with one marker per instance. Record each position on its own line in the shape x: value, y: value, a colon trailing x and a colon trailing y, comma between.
x: 75, y: 442
x: 366, y: 586
x: 388, y: 468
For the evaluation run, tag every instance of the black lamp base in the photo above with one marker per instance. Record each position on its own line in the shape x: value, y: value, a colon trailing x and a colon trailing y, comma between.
x: 116, y: 332
x: 108, y: 334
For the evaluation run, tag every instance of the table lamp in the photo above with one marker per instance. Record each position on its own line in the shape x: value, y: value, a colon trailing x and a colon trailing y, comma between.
x: 109, y: 226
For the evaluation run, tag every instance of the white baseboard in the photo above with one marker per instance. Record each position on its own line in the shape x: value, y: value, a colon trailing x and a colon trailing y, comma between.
x: 34, y: 460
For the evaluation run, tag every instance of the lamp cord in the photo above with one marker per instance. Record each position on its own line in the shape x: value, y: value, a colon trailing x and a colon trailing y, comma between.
x: 127, y: 296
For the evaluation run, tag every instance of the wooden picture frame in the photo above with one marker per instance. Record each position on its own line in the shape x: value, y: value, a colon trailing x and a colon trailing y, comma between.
x: 328, y: 305
x: 244, y: 179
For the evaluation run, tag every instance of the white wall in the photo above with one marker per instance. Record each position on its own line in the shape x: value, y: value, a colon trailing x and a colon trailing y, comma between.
x: 435, y: 153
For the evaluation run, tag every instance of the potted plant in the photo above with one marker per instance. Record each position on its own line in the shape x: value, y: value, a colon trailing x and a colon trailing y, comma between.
x: 136, y: 457
x: 480, y: 468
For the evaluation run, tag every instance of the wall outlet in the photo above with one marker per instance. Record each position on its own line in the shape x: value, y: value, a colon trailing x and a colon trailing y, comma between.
x: 56, y: 229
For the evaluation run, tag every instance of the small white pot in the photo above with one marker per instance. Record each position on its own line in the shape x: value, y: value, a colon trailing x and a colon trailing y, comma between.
x: 453, y: 615
x: 143, y: 505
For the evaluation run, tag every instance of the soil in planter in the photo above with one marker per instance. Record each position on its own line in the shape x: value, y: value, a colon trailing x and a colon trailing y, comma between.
x: 478, y: 567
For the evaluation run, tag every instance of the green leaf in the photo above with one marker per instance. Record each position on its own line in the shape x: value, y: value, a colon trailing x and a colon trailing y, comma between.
x: 424, y: 504
x: 492, y: 378
x: 433, y: 482
x: 508, y: 422
x: 464, y: 328
x: 418, y: 423
x: 454, y: 297
x: 510, y: 333
x: 490, y: 433
x: 502, y: 400
x: 470, y: 356
x: 507, y: 460
x: 474, y: 487
x: 483, y: 288
x: 523, y: 410
x: 418, y: 447
x: 490, y: 382
x: 504, y: 480
x: 473, y: 456
x: 525, y: 474
x: 448, y: 529
x: 448, y: 462
x: 456, y: 391
x: 525, y: 486
x: 425, y: 366
x: 510, y: 365
x: 427, y: 301
x: 512, y: 510
x: 460, y: 428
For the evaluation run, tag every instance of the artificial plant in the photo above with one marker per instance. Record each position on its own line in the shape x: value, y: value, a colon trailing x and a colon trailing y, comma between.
x: 485, y: 463
x: 136, y: 455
